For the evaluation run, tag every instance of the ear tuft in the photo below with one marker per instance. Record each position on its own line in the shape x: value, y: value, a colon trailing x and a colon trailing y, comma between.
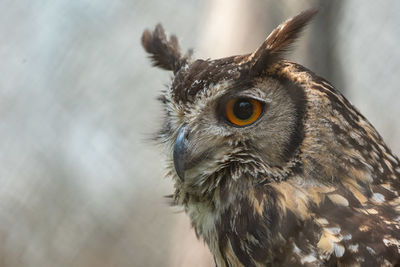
x: 279, y: 41
x: 164, y: 53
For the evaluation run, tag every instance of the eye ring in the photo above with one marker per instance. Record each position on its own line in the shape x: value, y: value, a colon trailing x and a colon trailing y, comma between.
x: 243, y: 111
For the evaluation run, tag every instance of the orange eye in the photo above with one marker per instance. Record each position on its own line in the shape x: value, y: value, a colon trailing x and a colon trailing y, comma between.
x: 243, y: 111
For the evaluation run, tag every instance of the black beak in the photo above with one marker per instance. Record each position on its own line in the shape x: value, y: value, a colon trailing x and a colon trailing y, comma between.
x: 180, y: 151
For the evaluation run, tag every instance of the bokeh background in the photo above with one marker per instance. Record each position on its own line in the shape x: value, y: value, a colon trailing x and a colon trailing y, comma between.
x: 80, y: 182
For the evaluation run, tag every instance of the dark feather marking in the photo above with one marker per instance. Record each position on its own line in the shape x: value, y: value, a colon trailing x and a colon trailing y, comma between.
x: 222, y: 243
x: 389, y: 195
x: 241, y: 254
x: 298, y: 98
x: 225, y: 232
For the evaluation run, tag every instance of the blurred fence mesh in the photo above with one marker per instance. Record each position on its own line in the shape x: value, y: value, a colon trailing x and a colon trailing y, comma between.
x: 81, y: 184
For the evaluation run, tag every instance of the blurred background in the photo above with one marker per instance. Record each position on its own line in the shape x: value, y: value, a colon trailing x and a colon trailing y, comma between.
x: 80, y: 182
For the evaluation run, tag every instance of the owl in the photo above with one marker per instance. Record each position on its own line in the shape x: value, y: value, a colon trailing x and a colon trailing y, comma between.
x: 273, y: 166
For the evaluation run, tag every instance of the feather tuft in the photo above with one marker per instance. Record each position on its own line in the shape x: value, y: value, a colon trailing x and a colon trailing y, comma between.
x: 279, y: 41
x: 164, y: 53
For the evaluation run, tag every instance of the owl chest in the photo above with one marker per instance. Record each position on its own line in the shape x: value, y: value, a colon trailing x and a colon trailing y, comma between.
x: 229, y: 232
x: 247, y: 228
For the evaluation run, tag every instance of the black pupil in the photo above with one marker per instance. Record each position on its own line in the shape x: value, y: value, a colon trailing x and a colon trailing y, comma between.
x: 243, y: 109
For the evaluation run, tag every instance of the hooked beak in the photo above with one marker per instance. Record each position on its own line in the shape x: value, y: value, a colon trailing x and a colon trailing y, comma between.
x: 180, y: 151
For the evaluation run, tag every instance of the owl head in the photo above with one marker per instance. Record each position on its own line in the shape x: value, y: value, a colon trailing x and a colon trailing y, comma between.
x: 238, y: 114
x: 265, y: 153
